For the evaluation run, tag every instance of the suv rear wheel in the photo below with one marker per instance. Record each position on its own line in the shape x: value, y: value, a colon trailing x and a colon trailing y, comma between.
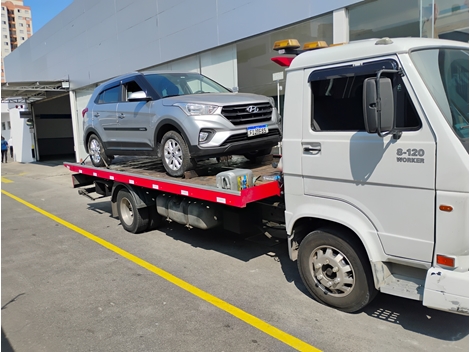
x: 96, y: 151
x: 175, y: 154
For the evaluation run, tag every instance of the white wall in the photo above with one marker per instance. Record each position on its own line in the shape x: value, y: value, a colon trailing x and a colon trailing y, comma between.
x: 22, y: 138
x: 94, y: 40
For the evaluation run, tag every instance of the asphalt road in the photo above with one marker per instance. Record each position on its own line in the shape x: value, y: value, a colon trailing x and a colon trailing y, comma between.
x: 62, y: 291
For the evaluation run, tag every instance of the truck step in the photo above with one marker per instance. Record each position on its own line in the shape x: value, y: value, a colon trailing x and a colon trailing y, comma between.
x: 403, y: 286
x: 86, y: 193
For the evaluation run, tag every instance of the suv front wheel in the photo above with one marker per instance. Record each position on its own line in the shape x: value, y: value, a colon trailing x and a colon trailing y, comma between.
x: 175, y: 154
x: 96, y: 151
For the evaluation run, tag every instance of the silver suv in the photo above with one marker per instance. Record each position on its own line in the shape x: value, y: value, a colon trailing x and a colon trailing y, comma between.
x: 180, y: 117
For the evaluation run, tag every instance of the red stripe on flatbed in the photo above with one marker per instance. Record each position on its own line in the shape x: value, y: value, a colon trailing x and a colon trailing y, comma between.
x: 232, y: 198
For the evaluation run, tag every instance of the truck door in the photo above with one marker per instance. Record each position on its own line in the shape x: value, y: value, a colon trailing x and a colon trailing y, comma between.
x: 391, y: 181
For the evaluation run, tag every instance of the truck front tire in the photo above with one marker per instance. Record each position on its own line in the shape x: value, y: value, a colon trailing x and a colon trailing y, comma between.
x: 132, y: 219
x: 336, y: 270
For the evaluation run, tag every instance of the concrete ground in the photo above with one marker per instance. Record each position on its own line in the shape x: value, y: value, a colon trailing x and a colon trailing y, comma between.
x: 62, y: 291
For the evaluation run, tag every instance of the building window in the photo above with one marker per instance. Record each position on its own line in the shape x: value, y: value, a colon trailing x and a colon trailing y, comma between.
x: 255, y: 69
x: 9, y: 125
x: 3, y: 126
x: 18, y: 10
x: 20, y: 17
x: 6, y: 43
x: 21, y: 25
x: 4, y: 22
x: 375, y: 19
x: 28, y: 25
x: 5, y: 36
x: 22, y: 38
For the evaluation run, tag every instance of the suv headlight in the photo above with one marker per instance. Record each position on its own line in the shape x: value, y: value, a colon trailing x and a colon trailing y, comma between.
x: 194, y: 109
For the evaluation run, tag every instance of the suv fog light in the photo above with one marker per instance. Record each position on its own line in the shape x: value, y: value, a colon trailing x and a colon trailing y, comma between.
x: 203, y: 135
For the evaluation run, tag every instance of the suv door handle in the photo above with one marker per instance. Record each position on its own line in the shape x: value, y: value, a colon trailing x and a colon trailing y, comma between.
x: 96, y: 114
x: 313, y: 149
x: 121, y: 115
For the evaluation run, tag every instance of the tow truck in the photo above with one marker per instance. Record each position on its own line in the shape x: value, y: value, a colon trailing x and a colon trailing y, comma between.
x: 373, y: 191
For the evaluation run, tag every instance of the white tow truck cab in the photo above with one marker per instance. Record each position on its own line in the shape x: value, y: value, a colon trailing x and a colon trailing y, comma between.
x: 376, y: 166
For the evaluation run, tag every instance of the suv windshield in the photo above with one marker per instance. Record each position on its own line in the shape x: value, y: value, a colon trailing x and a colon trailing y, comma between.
x: 445, y: 73
x: 171, y: 84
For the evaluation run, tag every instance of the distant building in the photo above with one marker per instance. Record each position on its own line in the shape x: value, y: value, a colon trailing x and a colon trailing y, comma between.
x: 16, y: 27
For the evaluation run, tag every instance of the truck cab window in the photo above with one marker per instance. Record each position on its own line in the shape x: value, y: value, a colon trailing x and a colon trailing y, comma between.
x: 337, y: 104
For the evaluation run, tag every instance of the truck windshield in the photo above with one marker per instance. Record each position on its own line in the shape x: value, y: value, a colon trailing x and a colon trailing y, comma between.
x: 445, y: 73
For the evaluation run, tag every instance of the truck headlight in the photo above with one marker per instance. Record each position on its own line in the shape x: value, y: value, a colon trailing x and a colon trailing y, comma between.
x: 194, y: 109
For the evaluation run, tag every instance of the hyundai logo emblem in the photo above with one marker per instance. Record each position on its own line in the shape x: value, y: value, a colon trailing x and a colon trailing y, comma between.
x: 252, y: 109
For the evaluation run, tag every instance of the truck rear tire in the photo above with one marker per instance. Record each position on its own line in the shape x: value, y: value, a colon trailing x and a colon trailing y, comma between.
x: 132, y: 219
x: 336, y: 270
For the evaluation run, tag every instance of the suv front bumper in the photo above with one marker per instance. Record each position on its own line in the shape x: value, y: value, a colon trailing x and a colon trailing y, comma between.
x: 238, y: 144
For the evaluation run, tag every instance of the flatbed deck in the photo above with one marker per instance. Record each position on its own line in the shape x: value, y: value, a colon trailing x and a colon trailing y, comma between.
x: 148, y: 172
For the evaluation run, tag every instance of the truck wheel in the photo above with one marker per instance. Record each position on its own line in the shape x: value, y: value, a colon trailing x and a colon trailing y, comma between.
x: 132, y: 219
x: 335, y: 270
x: 258, y: 154
x: 175, y: 154
x: 97, y: 153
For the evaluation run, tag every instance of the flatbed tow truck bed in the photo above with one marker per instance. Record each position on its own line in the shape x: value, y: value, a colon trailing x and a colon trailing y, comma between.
x: 148, y: 172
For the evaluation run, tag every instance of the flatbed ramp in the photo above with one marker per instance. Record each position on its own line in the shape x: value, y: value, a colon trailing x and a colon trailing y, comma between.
x: 148, y: 172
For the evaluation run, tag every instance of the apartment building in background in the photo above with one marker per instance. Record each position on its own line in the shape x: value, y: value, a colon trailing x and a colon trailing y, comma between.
x: 16, y: 27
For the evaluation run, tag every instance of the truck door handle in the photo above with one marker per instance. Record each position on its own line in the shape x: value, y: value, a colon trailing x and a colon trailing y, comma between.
x: 312, y: 149
x: 96, y: 114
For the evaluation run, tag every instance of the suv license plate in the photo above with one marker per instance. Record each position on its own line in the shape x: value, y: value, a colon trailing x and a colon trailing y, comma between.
x: 257, y: 130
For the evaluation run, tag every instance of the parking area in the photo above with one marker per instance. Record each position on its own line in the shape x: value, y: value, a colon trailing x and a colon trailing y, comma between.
x: 74, y: 280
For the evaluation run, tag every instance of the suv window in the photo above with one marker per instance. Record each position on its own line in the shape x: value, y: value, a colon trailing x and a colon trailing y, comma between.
x: 337, y: 103
x: 129, y: 88
x: 110, y: 95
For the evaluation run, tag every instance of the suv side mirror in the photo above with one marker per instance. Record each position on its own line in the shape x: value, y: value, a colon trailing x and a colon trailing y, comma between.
x: 378, y: 106
x: 138, y: 96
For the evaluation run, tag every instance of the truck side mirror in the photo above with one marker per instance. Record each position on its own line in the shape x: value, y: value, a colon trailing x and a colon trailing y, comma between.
x: 378, y: 106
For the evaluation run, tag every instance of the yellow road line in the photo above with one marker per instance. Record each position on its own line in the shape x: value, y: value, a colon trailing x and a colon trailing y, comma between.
x: 5, y: 180
x: 237, y: 312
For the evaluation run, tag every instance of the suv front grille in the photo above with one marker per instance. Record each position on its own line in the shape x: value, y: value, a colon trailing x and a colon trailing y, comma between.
x: 242, y: 137
x: 239, y: 115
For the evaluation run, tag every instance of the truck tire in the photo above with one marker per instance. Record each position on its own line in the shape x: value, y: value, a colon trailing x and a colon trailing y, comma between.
x: 336, y: 270
x: 97, y: 153
x: 132, y: 219
x: 175, y: 154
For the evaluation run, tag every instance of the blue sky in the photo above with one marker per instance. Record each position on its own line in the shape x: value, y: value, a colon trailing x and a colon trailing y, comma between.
x: 42, y: 11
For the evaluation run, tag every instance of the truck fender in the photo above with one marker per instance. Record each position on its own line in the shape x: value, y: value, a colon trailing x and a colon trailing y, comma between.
x: 143, y: 197
x: 333, y: 211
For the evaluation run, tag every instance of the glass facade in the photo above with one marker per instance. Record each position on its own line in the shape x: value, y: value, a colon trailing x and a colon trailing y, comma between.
x: 255, y: 68
x: 384, y: 18
x: 445, y: 19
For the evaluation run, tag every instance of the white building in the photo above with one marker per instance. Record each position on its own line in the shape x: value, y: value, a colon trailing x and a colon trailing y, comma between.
x: 56, y: 70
